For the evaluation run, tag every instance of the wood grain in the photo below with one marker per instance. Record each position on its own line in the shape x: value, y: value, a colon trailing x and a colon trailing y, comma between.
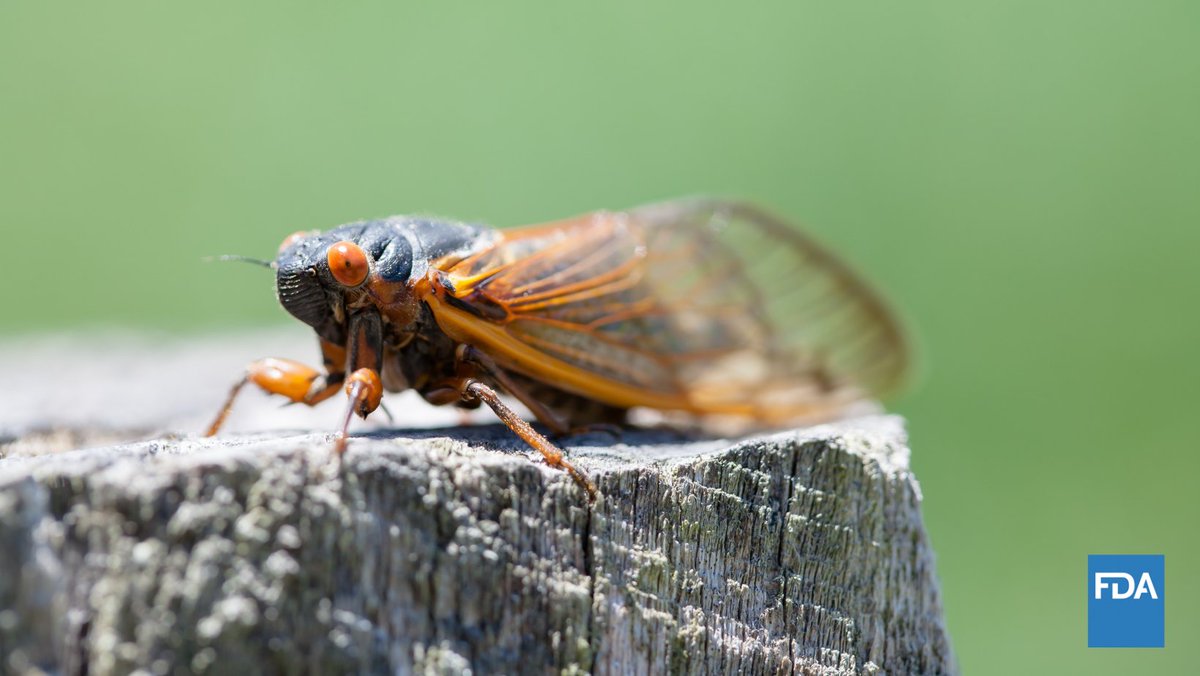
x: 448, y: 550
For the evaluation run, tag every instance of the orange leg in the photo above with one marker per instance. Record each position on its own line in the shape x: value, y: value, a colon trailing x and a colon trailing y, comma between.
x: 291, y: 379
x: 301, y: 384
x: 557, y: 424
x: 548, y: 417
x: 362, y: 356
x: 365, y: 391
x: 473, y: 389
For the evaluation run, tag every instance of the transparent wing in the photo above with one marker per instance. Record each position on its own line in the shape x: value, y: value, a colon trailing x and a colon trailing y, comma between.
x: 704, y: 306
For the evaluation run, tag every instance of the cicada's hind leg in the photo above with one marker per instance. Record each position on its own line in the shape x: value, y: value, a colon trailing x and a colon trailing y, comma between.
x: 465, y: 389
x: 475, y: 390
x: 297, y: 382
x: 558, y: 424
x: 545, y: 415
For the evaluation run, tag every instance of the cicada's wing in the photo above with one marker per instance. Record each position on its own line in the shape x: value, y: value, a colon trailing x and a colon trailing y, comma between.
x: 703, y: 306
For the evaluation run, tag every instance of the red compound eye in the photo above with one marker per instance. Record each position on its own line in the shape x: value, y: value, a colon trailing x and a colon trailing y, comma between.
x: 348, y: 263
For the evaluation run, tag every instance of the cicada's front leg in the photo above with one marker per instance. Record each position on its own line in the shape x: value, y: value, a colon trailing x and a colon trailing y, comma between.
x: 362, y: 357
x: 364, y: 360
x: 365, y: 392
x: 299, y: 383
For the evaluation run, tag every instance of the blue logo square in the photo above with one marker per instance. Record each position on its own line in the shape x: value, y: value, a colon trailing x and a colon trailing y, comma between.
x: 1125, y: 601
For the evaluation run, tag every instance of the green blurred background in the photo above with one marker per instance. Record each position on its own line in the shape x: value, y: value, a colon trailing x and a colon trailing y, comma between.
x: 1023, y: 177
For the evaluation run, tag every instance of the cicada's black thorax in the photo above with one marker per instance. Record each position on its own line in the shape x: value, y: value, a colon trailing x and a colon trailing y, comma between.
x: 400, y: 249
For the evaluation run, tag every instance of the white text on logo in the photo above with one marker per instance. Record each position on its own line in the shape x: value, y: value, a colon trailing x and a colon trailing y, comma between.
x: 1117, y: 590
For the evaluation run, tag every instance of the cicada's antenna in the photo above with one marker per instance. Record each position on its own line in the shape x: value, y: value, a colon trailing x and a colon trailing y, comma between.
x: 244, y: 259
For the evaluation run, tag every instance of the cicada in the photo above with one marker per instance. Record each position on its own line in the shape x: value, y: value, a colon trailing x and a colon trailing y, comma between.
x: 708, y: 309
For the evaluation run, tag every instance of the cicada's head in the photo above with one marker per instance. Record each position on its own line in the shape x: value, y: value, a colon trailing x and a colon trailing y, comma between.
x: 316, y: 273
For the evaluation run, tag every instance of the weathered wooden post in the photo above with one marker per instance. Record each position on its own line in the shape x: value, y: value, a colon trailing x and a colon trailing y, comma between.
x: 799, y: 552
x: 435, y: 550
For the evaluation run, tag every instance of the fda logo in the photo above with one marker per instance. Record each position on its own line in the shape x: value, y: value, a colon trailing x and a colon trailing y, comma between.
x: 1125, y: 601
x: 1111, y: 581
